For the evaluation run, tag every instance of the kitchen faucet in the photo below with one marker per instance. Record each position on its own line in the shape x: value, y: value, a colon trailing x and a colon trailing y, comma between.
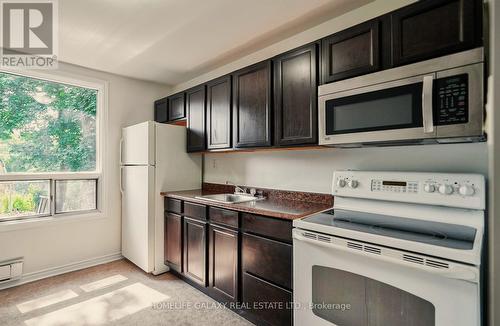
x: 237, y: 189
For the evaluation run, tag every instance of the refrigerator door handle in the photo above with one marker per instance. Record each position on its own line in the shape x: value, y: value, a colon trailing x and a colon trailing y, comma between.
x: 121, y: 181
x: 121, y: 150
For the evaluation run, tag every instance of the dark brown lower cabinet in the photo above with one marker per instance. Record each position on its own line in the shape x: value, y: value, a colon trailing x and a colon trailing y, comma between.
x: 267, y: 303
x: 173, y: 241
x: 266, y: 280
x: 195, y: 253
x: 241, y: 259
x: 223, y: 263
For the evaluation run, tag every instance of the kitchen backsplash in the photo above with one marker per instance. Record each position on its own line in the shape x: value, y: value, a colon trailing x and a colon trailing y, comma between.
x: 311, y: 170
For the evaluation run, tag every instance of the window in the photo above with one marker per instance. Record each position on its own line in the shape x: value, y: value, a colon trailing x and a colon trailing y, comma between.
x: 49, y: 147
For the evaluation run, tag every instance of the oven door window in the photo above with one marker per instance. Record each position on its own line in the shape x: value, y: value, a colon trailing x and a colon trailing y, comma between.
x: 391, y: 108
x: 348, y: 299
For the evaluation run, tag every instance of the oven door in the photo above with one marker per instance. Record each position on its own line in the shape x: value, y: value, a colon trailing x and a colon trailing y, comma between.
x: 351, y: 283
x: 398, y: 110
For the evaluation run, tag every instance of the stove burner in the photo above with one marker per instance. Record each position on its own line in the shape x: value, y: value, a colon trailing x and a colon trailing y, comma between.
x: 388, y: 230
x: 439, y: 234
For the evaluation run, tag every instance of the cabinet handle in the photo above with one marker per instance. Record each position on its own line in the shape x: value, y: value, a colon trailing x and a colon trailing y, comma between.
x: 121, y: 181
x: 121, y: 150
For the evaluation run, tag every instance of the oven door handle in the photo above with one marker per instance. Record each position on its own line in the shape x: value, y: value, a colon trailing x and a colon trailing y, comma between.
x: 427, y: 110
x: 454, y: 272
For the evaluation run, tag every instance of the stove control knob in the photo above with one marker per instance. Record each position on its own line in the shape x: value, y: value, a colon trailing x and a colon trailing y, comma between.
x: 353, y: 184
x: 466, y: 190
x: 446, y: 189
x: 341, y: 183
x: 429, y: 188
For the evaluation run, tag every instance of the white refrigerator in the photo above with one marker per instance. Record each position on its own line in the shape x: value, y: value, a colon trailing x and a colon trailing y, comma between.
x: 153, y: 159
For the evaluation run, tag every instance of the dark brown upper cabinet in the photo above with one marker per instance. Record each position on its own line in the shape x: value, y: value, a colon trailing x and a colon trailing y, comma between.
x: 252, y: 106
x: 176, y: 107
x: 295, y: 97
x: 430, y: 29
x: 195, y: 106
x: 219, y: 113
x: 223, y: 263
x: 161, y: 110
x: 351, y: 52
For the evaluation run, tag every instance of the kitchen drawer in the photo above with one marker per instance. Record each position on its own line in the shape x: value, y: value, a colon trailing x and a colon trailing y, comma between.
x: 173, y: 205
x: 268, y: 259
x: 256, y: 291
x: 223, y: 216
x: 195, y: 210
x: 268, y: 227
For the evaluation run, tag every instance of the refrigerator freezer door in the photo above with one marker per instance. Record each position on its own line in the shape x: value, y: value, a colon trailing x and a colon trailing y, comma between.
x: 138, y: 215
x: 175, y: 170
x: 138, y: 144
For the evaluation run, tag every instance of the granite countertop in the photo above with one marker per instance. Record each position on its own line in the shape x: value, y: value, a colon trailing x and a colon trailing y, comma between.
x: 283, y: 208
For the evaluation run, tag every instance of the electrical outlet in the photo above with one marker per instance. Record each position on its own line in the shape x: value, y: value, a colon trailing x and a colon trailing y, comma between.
x: 214, y: 163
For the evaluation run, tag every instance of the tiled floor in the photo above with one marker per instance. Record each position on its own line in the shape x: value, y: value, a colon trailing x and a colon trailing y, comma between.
x: 116, y: 293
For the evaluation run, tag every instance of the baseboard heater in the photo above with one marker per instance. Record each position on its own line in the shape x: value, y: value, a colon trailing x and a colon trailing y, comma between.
x: 11, y: 269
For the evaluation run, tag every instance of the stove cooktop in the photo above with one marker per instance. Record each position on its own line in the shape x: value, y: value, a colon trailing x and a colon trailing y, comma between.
x: 434, y: 233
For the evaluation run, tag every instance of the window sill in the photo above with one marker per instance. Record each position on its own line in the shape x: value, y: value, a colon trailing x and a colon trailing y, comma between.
x: 49, y: 220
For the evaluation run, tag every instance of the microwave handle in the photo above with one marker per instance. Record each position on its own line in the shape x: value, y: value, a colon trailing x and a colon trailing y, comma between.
x: 427, y: 111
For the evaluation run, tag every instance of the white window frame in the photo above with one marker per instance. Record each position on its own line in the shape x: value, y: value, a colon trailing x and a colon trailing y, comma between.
x: 99, y: 174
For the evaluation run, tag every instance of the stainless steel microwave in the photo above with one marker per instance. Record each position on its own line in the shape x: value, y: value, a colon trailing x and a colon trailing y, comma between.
x: 438, y: 100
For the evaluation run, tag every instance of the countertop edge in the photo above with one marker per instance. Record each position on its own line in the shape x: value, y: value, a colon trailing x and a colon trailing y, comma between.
x: 258, y: 211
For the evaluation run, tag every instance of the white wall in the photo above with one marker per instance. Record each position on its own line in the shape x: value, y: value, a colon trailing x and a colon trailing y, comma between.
x: 312, y: 170
x: 58, y: 244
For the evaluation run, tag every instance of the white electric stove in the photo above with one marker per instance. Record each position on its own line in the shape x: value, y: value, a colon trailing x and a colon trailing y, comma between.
x: 397, y: 249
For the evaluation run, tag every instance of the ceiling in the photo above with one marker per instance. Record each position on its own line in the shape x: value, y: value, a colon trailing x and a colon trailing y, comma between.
x: 172, y: 41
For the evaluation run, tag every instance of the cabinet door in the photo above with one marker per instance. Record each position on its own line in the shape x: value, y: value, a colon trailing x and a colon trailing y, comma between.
x: 351, y: 52
x: 223, y: 264
x: 252, y: 106
x: 429, y: 29
x: 176, y: 107
x: 195, y: 250
x: 195, y: 104
x: 219, y: 113
x: 161, y: 110
x: 295, y: 97
x: 173, y: 241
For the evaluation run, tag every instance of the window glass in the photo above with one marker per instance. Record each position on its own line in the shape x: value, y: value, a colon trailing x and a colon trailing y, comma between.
x: 24, y: 199
x: 75, y: 195
x: 46, y: 126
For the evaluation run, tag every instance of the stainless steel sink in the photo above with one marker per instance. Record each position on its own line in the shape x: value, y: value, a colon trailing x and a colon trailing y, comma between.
x: 228, y: 198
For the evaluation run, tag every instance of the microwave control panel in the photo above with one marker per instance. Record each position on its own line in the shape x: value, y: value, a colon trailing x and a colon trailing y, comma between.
x: 451, y: 100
